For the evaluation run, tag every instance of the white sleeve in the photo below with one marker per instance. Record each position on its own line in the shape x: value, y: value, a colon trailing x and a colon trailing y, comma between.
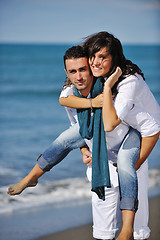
x: 71, y: 112
x: 125, y: 98
x: 67, y: 91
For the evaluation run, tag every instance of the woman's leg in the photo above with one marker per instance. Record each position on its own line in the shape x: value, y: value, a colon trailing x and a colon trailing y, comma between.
x: 127, y: 157
x: 57, y: 151
x: 29, y: 181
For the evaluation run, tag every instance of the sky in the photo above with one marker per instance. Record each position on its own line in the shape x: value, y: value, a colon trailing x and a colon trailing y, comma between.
x: 70, y: 21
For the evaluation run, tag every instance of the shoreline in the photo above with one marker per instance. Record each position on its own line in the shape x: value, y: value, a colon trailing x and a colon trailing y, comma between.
x: 85, y: 231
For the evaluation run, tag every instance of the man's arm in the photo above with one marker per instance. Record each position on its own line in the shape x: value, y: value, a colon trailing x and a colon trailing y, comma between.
x: 147, y: 145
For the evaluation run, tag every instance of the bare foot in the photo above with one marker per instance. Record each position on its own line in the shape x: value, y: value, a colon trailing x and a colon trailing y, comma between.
x: 127, y: 235
x: 19, y: 187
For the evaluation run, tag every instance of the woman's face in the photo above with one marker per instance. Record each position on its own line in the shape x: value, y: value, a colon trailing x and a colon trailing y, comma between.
x: 101, y: 63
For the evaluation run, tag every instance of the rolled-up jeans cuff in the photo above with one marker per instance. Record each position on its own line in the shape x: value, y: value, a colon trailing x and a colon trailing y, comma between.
x: 129, y: 204
x: 43, y: 164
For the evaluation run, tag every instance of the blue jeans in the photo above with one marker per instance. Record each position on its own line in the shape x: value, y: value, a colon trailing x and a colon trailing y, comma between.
x: 59, y: 149
x: 127, y: 157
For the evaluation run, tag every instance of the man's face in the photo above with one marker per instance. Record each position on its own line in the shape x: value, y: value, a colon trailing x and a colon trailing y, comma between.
x: 78, y: 71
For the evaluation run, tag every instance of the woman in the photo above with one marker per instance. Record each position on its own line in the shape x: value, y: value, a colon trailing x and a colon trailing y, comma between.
x: 105, y: 54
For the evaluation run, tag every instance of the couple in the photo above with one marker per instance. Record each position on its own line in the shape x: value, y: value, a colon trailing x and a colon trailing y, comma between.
x: 129, y: 108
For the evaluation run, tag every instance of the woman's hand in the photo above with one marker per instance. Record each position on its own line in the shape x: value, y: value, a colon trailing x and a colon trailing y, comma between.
x: 97, y: 102
x: 113, y: 78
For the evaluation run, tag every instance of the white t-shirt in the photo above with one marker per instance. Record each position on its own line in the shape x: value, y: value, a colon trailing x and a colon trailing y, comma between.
x: 136, y: 105
x: 113, y: 139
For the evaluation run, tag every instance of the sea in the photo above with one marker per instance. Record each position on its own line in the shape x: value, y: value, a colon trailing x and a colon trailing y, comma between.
x: 31, y: 80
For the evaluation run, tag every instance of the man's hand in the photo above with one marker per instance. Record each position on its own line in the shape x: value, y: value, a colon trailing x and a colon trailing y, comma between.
x: 87, y: 156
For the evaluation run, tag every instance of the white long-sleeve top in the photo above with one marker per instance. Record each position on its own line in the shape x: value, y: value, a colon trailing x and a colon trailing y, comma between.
x: 136, y: 105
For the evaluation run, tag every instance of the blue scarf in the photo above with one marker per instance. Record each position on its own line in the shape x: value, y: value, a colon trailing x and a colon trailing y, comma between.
x: 91, y: 126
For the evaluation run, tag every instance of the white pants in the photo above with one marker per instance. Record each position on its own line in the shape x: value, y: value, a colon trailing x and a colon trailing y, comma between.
x: 107, y: 214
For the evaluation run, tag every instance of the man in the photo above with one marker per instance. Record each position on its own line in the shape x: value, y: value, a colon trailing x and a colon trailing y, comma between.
x: 63, y: 144
x: 106, y: 214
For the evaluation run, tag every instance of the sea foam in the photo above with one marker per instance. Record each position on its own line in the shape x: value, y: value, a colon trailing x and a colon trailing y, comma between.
x: 69, y: 191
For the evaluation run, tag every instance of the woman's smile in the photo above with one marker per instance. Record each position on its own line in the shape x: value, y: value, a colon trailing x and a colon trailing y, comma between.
x: 101, y: 63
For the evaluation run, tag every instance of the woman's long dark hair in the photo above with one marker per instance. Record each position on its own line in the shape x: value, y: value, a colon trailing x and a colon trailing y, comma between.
x: 95, y: 42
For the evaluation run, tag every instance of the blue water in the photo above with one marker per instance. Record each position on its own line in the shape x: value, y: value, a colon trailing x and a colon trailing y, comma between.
x: 31, y: 79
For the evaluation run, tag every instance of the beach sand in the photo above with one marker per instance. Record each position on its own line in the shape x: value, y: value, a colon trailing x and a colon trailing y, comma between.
x: 85, y: 232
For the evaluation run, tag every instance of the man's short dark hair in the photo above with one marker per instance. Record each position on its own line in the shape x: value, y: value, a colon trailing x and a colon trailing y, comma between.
x: 74, y: 52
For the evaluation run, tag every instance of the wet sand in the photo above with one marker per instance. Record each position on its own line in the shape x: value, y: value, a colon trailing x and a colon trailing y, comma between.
x: 85, y: 232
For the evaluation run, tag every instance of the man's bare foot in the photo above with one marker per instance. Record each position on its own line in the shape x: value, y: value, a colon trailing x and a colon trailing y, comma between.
x: 19, y: 187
